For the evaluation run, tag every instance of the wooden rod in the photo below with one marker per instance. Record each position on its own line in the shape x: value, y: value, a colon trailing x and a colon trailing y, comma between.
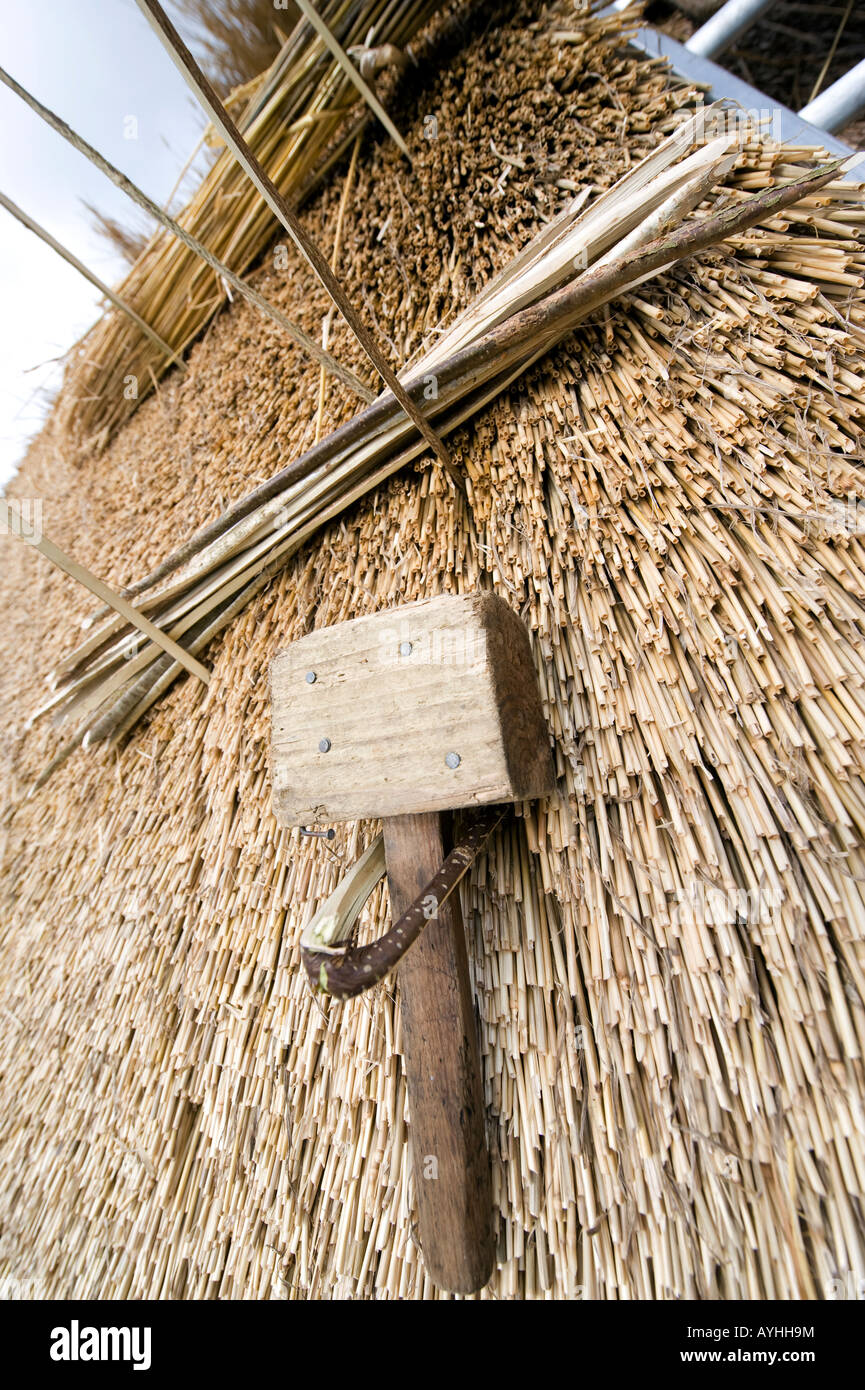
x: 450, y: 1161
x: 71, y: 567
x: 223, y: 123
x: 297, y: 334
x: 27, y: 221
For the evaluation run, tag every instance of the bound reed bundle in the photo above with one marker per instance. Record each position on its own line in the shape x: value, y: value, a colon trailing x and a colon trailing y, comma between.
x: 510, y: 326
x: 290, y: 117
x: 669, y: 956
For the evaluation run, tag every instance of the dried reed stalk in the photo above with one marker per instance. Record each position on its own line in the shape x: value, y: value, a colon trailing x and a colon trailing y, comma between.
x: 291, y: 118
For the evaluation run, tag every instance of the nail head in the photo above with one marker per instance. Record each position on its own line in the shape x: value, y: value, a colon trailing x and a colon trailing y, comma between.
x: 453, y: 759
x: 310, y: 678
x: 324, y: 745
x: 405, y: 648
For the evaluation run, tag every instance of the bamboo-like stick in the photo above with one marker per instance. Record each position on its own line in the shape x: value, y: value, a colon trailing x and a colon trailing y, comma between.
x: 71, y: 567
x: 222, y: 122
x: 348, y: 67
x: 297, y: 335
x: 33, y: 226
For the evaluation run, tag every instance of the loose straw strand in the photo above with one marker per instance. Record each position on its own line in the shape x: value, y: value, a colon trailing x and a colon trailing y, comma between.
x: 297, y: 334
x: 334, y: 260
x: 33, y: 226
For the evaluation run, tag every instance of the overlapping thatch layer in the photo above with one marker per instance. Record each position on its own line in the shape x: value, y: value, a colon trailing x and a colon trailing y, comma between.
x: 294, y: 119
x: 669, y: 956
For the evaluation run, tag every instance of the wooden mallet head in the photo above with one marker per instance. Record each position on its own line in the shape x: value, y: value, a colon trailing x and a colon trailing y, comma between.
x: 423, y: 708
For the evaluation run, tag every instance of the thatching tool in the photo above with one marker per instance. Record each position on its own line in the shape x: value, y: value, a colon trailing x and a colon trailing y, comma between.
x: 406, y: 715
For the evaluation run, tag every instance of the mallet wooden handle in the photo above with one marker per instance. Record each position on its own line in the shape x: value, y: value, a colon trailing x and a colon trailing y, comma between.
x: 446, y: 1110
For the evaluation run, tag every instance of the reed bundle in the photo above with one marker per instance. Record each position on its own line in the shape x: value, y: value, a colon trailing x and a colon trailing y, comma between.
x: 669, y: 955
x: 291, y: 118
x: 521, y: 314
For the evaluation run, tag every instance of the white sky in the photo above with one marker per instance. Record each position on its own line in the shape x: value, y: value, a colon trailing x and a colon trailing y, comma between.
x: 95, y: 63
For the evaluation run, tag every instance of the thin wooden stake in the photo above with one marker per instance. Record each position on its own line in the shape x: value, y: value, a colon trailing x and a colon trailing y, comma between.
x: 352, y: 73
x: 67, y: 256
x: 102, y: 591
x: 303, y: 340
x: 235, y: 142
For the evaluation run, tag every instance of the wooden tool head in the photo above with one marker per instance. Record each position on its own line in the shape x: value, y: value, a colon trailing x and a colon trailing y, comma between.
x: 423, y: 708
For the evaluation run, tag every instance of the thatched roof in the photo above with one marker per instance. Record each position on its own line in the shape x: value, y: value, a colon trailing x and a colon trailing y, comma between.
x: 668, y: 955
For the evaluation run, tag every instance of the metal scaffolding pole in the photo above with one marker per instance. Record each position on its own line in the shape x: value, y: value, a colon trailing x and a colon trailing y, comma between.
x: 725, y: 26
x: 841, y: 103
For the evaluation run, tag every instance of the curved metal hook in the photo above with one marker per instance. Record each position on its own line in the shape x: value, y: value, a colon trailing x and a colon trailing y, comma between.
x: 344, y: 974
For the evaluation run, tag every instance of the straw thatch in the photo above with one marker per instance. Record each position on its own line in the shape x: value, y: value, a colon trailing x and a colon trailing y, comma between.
x: 293, y: 118
x: 668, y: 955
x: 238, y: 38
